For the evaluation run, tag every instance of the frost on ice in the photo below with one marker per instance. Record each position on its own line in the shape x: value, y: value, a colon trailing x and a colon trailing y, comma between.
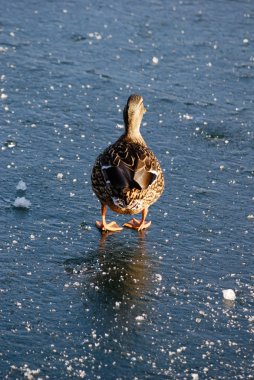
x: 229, y: 294
x: 21, y: 186
x: 22, y: 202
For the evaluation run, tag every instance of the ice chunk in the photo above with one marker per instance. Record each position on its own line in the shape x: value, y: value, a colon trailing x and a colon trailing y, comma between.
x: 141, y: 318
x: 229, y: 294
x: 3, y: 96
x: 186, y: 116
x: 155, y: 60
x: 21, y: 185
x: 59, y: 176
x: 10, y: 144
x: 22, y: 202
x: 158, y: 277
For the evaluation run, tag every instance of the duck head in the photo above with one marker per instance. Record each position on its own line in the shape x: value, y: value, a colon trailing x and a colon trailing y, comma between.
x: 133, y: 113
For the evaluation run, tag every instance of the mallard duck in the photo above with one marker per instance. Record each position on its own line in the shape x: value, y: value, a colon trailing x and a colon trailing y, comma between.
x: 127, y: 176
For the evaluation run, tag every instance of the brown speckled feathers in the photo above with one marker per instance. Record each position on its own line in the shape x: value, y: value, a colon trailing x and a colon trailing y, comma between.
x: 129, y: 172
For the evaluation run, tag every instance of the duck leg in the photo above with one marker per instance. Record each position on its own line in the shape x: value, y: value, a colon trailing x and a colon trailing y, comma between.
x: 103, y: 225
x: 139, y: 224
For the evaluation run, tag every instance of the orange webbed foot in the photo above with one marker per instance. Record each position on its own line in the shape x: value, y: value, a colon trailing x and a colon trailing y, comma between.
x: 108, y: 227
x: 137, y: 224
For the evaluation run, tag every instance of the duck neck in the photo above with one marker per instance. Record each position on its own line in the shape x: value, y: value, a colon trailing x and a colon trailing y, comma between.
x: 132, y: 132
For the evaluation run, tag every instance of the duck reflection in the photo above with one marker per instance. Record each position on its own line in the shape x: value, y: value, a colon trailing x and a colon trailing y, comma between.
x: 125, y: 269
x: 116, y: 278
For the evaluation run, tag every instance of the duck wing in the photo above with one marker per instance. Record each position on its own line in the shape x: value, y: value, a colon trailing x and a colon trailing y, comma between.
x: 129, y: 166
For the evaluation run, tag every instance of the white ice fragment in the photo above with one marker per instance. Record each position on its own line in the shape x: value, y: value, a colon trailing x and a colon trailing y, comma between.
x: 194, y: 376
x: 117, y: 305
x: 180, y: 349
x: 3, y: 49
x: 155, y: 60
x: 22, y: 202
x: 186, y: 116
x: 250, y: 217
x: 59, y: 176
x: 21, y: 185
x: 222, y: 167
x: 141, y: 318
x: 10, y: 144
x: 82, y: 374
x: 158, y: 277
x: 245, y: 41
x: 4, y: 96
x: 229, y: 294
x: 119, y: 126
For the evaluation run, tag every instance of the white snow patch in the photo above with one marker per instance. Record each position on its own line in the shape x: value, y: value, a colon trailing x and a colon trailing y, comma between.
x: 21, y: 202
x: 3, y: 96
x: 158, y: 277
x: 141, y: 318
x: 59, y: 176
x: 3, y: 49
x: 186, y: 116
x: 21, y: 186
x: 229, y: 294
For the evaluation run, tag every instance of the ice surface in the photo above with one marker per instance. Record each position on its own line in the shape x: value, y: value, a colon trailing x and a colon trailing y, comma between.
x: 229, y: 294
x: 21, y: 186
x: 22, y: 202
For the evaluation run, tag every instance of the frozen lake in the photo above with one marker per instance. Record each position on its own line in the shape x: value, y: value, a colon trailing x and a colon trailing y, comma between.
x: 75, y: 304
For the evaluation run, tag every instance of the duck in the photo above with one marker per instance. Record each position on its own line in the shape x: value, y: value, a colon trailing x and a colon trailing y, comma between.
x: 127, y: 177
